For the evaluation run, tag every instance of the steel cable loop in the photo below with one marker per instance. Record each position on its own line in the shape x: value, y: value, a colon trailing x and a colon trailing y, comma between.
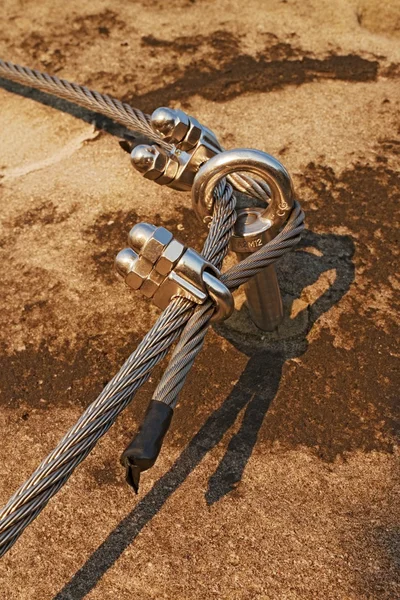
x: 30, y: 499
x: 192, y: 337
x: 51, y: 475
x: 216, y: 247
x: 256, y: 188
x: 55, y: 470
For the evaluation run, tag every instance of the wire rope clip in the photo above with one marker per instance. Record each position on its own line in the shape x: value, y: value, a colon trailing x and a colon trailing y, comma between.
x: 192, y: 145
x: 163, y: 268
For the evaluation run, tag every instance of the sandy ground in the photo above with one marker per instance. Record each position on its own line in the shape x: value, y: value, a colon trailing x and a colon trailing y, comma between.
x: 278, y: 478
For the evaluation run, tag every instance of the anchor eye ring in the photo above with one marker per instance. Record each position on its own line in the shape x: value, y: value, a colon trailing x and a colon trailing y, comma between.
x: 256, y: 162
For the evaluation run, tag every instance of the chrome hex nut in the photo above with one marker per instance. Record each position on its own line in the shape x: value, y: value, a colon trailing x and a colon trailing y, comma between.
x: 151, y: 161
x: 170, y: 123
x: 155, y: 244
x: 193, y: 135
x: 151, y: 284
x: 169, y: 257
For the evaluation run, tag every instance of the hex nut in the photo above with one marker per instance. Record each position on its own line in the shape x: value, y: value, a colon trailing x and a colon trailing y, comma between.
x: 169, y: 257
x: 149, y: 160
x: 155, y: 245
x: 160, y: 159
x: 193, y: 135
x: 133, y: 280
x: 171, y: 170
x: 172, y: 124
x: 143, y: 267
x: 151, y: 284
x: 165, y: 292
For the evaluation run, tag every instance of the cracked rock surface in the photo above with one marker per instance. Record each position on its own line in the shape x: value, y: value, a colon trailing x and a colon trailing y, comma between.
x: 279, y: 475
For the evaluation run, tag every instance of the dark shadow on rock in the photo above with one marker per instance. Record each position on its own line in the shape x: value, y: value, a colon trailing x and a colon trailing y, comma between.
x: 254, y: 393
x: 259, y: 382
x: 238, y: 73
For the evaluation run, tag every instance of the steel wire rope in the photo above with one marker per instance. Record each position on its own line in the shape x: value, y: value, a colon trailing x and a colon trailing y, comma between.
x: 53, y: 472
x: 181, y: 320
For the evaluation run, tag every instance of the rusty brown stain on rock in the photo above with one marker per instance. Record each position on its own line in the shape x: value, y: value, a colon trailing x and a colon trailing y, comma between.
x: 108, y: 473
x: 54, y: 52
x: 39, y: 378
x: 365, y: 197
x: 42, y: 378
x: 108, y: 235
x: 219, y: 44
x: 46, y: 213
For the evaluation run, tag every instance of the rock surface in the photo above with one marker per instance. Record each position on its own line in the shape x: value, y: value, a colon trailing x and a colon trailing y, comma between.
x: 278, y: 478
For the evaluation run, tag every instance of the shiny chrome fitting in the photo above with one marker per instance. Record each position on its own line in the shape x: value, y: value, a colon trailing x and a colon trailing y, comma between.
x: 193, y: 145
x: 254, y: 226
x: 163, y: 268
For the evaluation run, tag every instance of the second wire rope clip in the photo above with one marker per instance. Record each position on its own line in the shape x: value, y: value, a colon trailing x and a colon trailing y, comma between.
x: 193, y: 144
x: 163, y: 268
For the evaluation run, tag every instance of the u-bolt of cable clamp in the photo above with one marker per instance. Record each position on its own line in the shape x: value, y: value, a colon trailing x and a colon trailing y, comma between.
x: 163, y: 268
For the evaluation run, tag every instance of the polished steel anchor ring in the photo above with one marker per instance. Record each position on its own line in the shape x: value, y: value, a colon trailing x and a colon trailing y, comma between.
x: 260, y: 164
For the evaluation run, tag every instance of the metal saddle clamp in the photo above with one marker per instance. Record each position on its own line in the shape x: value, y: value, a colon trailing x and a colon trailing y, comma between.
x: 193, y: 144
x: 198, y: 162
x: 162, y: 268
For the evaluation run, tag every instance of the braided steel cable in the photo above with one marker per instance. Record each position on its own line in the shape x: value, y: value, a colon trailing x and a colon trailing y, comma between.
x: 121, y: 112
x: 27, y: 503
x: 192, y: 337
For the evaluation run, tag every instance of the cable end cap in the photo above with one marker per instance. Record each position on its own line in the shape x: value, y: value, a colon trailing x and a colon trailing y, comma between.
x: 133, y: 476
x: 142, y: 452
